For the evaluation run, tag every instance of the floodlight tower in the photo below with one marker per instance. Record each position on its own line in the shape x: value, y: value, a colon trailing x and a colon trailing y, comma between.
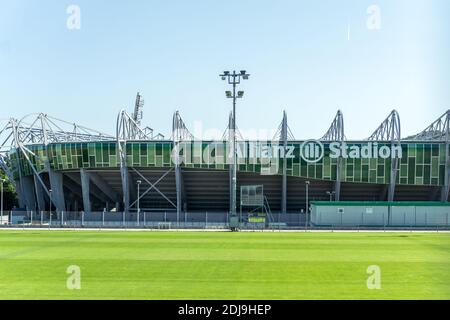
x: 234, y: 79
x: 138, y: 106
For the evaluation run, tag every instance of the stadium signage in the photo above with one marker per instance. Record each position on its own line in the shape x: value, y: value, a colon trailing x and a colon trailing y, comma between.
x: 311, y: 151
x: 221, y: 153
x: 258, y: 150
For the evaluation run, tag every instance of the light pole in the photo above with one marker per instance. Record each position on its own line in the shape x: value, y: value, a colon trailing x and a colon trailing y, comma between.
x: 307, y: 201
x: 1, y: 217
x: 138, y: 196
x: 234, y: 79
x: 331, y: 194
x: 50, y: 209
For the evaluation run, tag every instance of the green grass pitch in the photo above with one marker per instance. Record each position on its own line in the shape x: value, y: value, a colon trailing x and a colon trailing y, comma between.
x: 223, y: 265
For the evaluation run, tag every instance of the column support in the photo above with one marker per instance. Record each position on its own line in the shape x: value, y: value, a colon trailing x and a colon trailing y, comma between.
x: 85, y: 189
x: 284, y: 137
x: 56, y: 183
x: 39, y: 194
x: 29, y: 193
x: 337, y: 185
x: 446, y: 187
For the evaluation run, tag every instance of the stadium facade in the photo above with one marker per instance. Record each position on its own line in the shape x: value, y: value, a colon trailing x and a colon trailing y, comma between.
x: 76, y: 168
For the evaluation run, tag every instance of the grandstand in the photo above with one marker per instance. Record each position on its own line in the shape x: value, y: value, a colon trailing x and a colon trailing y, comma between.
x: 73, y: 168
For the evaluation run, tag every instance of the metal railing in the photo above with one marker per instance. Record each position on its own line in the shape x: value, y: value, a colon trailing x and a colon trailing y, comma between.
x: 184, y: 220
x: 145, y: 219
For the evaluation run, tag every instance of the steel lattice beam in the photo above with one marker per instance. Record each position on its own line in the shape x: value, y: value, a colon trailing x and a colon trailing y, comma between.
x: 437, y: 131
x: 336, y: 133
x: 336, y: 130
x: 390, y: 131
x: 179, y: 133
x: 283, y: 140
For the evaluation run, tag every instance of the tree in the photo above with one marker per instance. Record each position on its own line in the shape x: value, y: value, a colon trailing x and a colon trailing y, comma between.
x: 9, y: 192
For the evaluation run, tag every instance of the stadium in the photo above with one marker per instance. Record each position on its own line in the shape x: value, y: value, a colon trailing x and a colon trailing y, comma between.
x: 60, y: 166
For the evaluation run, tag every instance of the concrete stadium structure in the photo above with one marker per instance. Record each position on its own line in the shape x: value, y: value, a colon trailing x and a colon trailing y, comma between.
x: 76, y: 168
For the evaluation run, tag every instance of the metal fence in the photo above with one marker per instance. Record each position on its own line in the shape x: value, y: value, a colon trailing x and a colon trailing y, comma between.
x: 159, y: 220
x: 184, y: 220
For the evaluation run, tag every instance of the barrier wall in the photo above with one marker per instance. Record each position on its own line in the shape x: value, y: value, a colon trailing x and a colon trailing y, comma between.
x: 380, y: 214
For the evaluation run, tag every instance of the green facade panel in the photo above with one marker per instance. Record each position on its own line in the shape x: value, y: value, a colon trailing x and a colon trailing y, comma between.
x: 421, y: 164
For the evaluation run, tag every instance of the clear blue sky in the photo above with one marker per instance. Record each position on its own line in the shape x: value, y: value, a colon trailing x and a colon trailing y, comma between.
x: 299, y: 54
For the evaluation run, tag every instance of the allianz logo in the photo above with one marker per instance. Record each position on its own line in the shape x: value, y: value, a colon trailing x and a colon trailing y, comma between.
x: 313, y: 151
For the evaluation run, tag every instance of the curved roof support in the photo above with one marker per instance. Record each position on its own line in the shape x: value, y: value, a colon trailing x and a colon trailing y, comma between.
x: 7, y: 142
x: 40, y: 128
x: 44, y: 130
x: 336, y: 130
x: 390, y: 130
x: 439, y: 130
x: 336, y: 133
x: 128, y: 129
x: 7, y: 134
x: 179, y: 133
x: 228, y: 134
x: 283, y: 135
x: 179, y: 130
x: 283, y: 131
